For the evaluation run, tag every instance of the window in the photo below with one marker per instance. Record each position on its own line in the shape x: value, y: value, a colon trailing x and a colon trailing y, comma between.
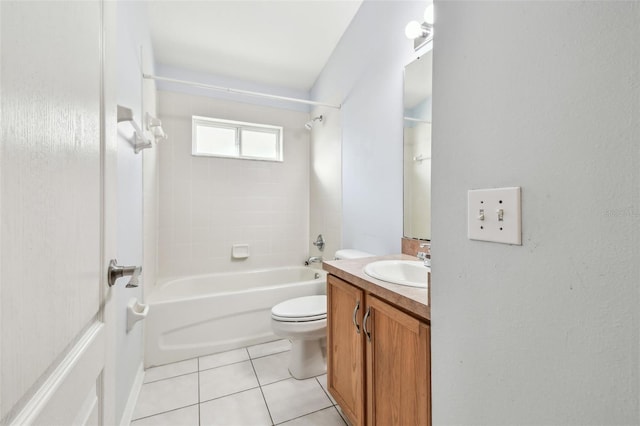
x: 236, y: 139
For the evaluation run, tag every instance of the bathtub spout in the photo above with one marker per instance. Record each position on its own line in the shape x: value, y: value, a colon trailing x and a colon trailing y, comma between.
x: 313, y: 259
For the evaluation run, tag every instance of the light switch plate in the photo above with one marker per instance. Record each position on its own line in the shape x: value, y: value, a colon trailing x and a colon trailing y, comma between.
x: 495, y: 215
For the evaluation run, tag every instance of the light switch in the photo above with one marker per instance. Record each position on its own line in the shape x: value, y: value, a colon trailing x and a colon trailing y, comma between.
x: 495, y: 215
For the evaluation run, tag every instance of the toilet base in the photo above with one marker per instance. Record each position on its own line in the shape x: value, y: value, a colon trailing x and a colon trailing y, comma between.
x: 307, y: 358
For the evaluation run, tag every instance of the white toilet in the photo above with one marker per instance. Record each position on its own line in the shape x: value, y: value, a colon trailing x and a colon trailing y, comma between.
x: 303, y: 320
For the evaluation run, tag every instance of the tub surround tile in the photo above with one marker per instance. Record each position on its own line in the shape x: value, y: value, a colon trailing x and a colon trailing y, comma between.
x: 326, y: 417
x: 222, y: 381
x: 223, y: 358
x: 197, y: 187
x: 307, y: 394
x: 170, y: 370
x: 187, y: 416
x: 244, y: 408
x: 272, y: 368
x: 270, y: 348
x: 165, y: 395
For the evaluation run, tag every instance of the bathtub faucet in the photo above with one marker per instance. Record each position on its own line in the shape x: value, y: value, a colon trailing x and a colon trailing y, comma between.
x: 313, y: 259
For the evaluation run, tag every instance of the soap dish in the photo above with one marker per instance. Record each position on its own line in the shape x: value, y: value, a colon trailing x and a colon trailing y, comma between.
x: 240, y: 251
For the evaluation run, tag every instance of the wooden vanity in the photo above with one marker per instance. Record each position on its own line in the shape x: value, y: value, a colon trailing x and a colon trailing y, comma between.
x: 378, y: 346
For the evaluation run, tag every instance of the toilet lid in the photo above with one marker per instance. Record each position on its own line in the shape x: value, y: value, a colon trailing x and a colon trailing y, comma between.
x: 308, y: 308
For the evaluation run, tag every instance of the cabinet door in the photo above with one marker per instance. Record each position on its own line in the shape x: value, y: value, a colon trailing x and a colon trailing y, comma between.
x: 398, y: 367
x: 345, y: 348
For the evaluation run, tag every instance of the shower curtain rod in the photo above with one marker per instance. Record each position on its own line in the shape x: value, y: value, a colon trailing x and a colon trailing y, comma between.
x: 237, y: 91
x: 416, y: 120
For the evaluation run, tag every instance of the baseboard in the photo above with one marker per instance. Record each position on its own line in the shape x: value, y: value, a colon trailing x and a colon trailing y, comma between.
x: 133, y: 397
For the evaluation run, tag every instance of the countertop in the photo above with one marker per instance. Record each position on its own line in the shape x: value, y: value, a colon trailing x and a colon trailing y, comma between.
x: 411, y: 299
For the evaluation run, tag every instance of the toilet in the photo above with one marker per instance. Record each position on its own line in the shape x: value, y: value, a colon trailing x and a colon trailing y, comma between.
x: 303, y: 321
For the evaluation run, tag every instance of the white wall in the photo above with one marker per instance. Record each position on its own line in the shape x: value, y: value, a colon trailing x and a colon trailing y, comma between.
x: 135, y: 204
x: 542, y: 95
x: 325, y: 183
x: 207, y: 204
x: 365, y: 74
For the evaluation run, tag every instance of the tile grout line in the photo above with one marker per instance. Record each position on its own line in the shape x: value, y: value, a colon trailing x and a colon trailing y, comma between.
x: 260, y: 386
x: 173, y: 409
x: 171, y: 377
x: 207, y: 369
x: 326, y: 392
x: 224, y: 365
x: 217, y: 353
x: 335, y: 407
x: 229, y: 394
x: 198, y: 362
x: 269, y: 354
x: 308, y: 414
x: 163, y: 412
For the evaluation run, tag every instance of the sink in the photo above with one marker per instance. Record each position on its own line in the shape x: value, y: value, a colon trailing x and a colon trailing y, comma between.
x: 411, y: 273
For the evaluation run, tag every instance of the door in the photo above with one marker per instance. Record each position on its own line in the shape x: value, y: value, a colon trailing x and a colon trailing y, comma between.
x: 345, y: 347
x: 398, y: 366
x: 56, y: 210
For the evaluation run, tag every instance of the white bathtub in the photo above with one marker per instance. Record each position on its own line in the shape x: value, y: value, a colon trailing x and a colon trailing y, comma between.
x: 199, y: 315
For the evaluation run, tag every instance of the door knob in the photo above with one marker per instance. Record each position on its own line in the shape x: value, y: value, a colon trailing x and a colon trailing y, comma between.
x: 115, y: 271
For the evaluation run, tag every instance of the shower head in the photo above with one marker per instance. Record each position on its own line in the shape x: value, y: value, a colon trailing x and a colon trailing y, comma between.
x: 309, y: 124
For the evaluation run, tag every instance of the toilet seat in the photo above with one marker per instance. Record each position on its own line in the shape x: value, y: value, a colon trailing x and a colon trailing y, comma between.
x: 301, y: 309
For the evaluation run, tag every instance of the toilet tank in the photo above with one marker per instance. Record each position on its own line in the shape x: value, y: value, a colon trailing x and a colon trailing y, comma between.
x: 351, y: 254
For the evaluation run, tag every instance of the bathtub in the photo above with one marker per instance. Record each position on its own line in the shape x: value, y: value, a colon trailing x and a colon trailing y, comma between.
x: 200, y: 315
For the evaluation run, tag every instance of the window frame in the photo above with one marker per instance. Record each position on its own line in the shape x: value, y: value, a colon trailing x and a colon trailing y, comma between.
x: 238, y: 126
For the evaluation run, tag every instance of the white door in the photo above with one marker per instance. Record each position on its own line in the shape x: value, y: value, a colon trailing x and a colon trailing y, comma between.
x: 57, y: 157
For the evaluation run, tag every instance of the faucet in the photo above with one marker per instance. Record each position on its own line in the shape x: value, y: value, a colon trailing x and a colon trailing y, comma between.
x: 422, y: 255
x: 116, y: 271
x: 313, y: 259
x: 319, y: 242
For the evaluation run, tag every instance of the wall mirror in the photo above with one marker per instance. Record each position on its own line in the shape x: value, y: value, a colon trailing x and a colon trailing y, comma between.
x: 417, y: 148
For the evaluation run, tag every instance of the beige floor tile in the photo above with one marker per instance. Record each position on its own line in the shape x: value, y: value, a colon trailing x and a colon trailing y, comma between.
x: 293, y: 398
x: 327, y: 417
x: 244, y: 408
x: 226, y: 380
x: 187, y: 416
x: 223, y: 358
x: 165, y: 395
x: 170, y: 370
x: 270, y: 348
x: 272, y: 368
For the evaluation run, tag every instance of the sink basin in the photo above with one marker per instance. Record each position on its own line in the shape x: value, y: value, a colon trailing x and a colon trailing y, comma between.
x: 411, y: 273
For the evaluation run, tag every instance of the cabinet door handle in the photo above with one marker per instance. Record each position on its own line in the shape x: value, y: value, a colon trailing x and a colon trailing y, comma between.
x: 355, y: 312
x: 364, y: 323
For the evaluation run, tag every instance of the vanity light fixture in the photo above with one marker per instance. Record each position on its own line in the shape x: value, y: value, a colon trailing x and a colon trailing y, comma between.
x: 421, y: 33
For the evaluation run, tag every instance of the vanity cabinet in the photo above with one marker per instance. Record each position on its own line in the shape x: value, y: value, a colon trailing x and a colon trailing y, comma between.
x: 378, y: 359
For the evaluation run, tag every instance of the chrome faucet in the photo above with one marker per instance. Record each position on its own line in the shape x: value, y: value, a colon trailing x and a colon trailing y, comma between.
x: 425, y: 256
x: 313, y: 259
x: 319, y: 242
x: 116, y: 271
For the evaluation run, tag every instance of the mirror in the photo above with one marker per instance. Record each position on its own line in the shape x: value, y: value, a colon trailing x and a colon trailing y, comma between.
x: 417, y: 148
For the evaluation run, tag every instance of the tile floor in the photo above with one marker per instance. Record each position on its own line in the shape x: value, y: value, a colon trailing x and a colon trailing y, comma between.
x: 243, y: 387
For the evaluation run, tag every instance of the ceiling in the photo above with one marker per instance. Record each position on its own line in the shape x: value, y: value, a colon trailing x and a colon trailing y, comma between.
x: 271, y: 42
